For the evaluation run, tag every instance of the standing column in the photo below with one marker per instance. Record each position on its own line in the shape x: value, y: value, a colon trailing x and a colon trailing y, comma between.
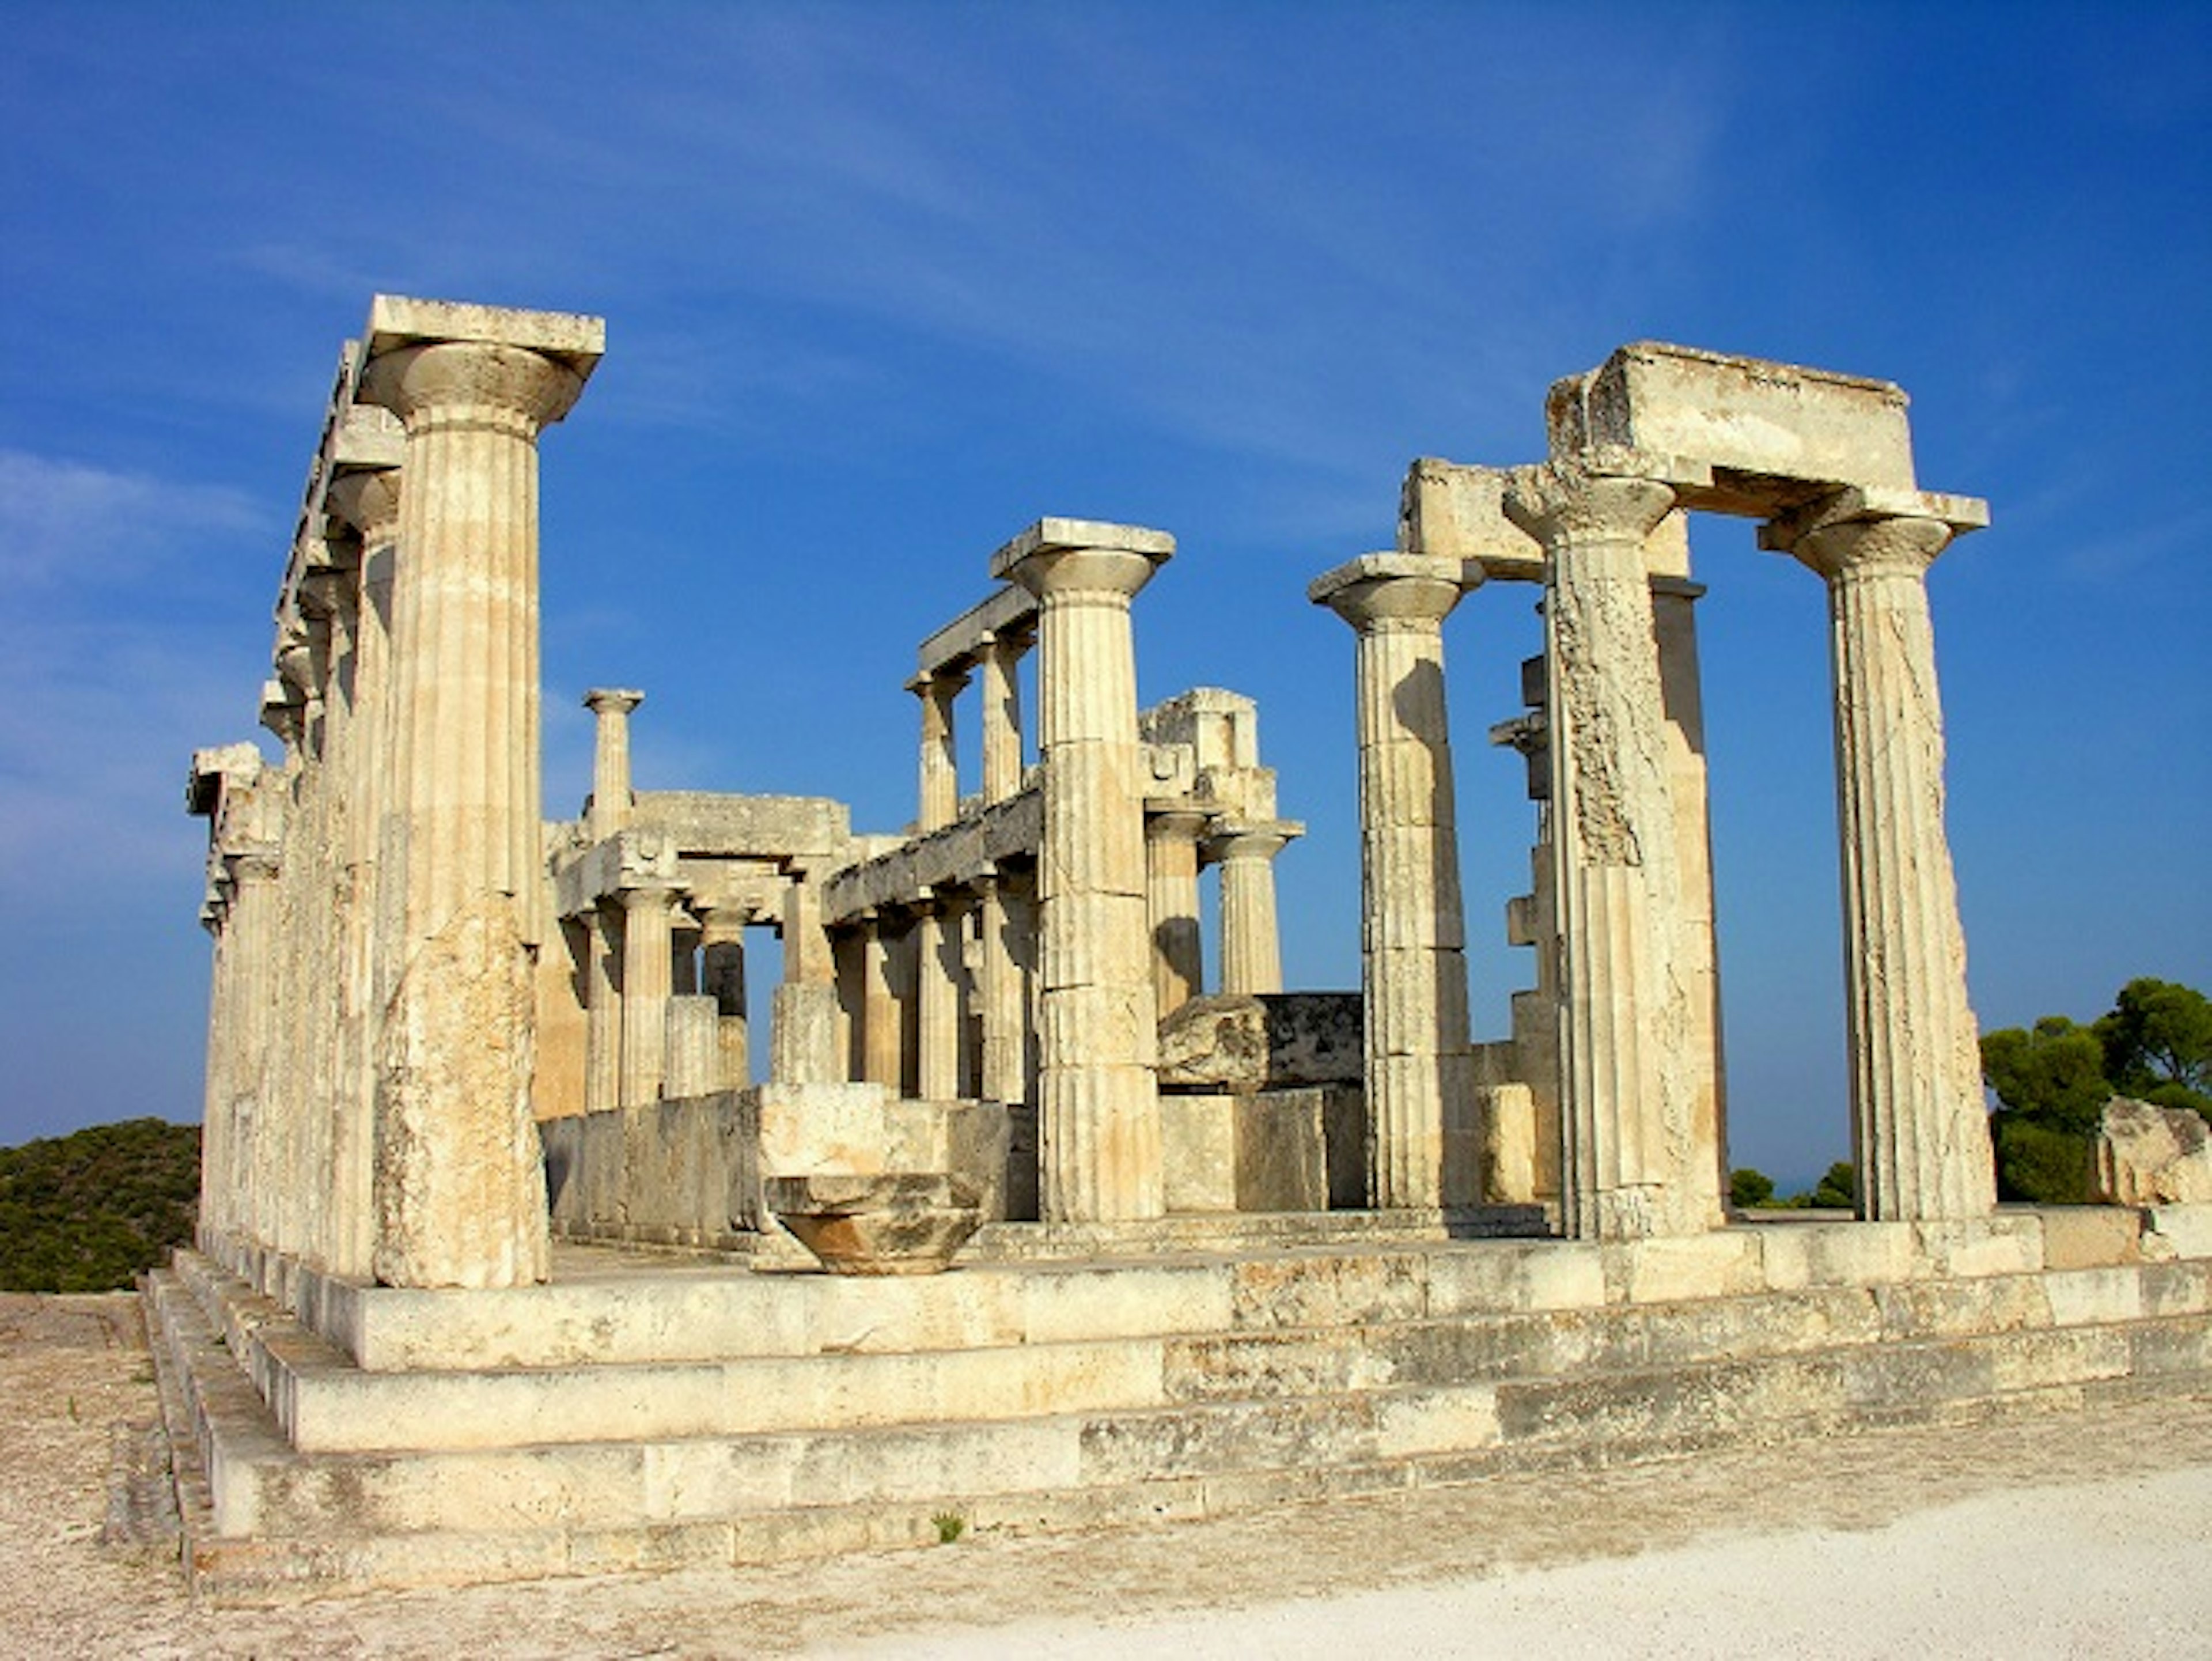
x: 647, y: 983
x: 1171, y: 896
x: 803, y: 1014
x: 1099, y: 1111
x: 882, y: 1050
x: 1412, y: 963
x: 1000, y: 661
x: 1629, y: 1076
x: 1251, y: 943
x: 938, y: 975
x: 1005, y: 1072
x: 459, y: 1179
x: 603, y: 1009
x: 941, y: 764
x: 1920, y: 1134
x: 368, y: 501
x: 611, y: 801
x: 722, y: 963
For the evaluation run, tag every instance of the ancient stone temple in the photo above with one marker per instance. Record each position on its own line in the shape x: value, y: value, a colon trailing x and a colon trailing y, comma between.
x: 522, y: 1251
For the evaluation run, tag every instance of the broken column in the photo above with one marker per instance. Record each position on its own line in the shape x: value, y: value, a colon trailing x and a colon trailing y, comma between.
x: 1412, y: 963
x: 1098, y: 1111
x: 1171, y: 889
x: 612, y: 800
x: 1000, y: 658
x: 1920, y: 1132
x: 647, y: 983
x: 1629, y: 1073
x: 940, y: 765
x: 460, y: 1189
x: 1251, y: 943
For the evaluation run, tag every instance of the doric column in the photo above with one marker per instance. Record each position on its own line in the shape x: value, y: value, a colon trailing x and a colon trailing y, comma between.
x: 803, y: 1016
x: 693, y: 1063
x: 646, y: 985
x: 1413, y: 962
x: 1629, y: 1074
x: 940, y: 761
x: 1004, y: 1073
x: 1000, y: 661
x: 612, y: 800
x: 1098, y: 1114
x: 938, y: 977
x: 460, y: 1185
x: 603, y: 1009
x: 883, y: 1051
x: 722, y: 964
x: 1172, y: 903
x: 367, y: 500
x: 257, y: 930
x: 1920, y: 1133
x: 1251, y: 944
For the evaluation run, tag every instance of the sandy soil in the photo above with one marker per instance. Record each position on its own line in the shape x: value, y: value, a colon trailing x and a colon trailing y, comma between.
x: 2067, y: 1536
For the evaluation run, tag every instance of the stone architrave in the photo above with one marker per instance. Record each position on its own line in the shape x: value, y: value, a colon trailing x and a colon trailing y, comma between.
x: 1412, y: 963
x: 1171, y: 891
x: 460, y: 1180
x: 1920, y: 1131
x: 1630, y: 1072
x: 611, y: 797
x: 1251, y: 942
x: 1098, y: 1112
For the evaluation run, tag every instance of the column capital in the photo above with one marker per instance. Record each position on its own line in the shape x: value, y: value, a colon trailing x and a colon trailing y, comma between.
x: 648, y: 898
x: 1557, y: 503
x: 939, y: 684
x: 1389, y: 590
x: 425, y: 382
x: 1058, y: 557
x: 367, y: 500
x: 1865, y: 507
x: 612, y: 700
x: 1252, y: 842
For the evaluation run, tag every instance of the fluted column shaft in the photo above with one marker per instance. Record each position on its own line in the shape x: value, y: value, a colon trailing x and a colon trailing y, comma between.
x: 1251, y: 942
x: 1004, y: 1074
x: 603, y: 1009
x: 722, y: 977
x: 1920, y: 1133
x: 1413, y: 962
x: 1098, y: 1111
x: 938, y: 975
x: 940, y: 762
x: 1629, y: 1073
x: 611, y: 797
x: 1001, y: 700
x: 460, y: 1187
x: 882, y: 1050
x: 647, y: 983
x: 1172, y: 900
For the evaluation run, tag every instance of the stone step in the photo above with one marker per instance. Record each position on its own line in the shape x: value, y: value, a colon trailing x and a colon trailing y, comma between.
x: 323, y: 1403
x: 961, y: 1464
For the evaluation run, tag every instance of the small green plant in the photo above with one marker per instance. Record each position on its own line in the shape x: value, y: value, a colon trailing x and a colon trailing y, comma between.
x: 73, y: 1418
x: 950, y: 1525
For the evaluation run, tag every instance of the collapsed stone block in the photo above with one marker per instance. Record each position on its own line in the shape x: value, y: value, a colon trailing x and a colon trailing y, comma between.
x: 2149, y: 1155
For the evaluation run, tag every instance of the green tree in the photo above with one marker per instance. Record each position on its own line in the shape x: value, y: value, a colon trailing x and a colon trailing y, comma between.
x: 1748, y: 1188
x: 91, y: 1211
x: 2054, y: 1072
x: 2157, y: 1045
x: 2040, y: 1164
x: 1838, y: 1189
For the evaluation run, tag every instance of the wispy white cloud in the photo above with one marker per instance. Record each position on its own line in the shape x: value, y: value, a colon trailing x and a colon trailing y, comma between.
x: 68, y: 524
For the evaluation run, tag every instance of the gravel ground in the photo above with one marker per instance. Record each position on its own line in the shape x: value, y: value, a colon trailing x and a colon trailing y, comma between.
x: 2072, y: 1535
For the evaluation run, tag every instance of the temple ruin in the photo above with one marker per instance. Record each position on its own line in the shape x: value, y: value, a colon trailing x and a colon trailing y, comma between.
x: 499, y: 1267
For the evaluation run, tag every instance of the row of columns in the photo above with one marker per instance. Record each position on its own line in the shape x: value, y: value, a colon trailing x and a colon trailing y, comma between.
x: 1636, y: 1015
x: 397, y: 1140
x: 996, y: 663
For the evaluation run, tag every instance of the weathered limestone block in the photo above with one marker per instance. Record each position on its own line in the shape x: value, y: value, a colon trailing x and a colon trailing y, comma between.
x: 2150, y: 1156
x: 455, y: 1062
x: 1736, y: 416
x: 910, y: 1223
x: 1276, y: 1040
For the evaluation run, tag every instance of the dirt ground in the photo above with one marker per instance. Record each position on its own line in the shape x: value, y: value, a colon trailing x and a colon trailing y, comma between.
x: 2068, y: 1535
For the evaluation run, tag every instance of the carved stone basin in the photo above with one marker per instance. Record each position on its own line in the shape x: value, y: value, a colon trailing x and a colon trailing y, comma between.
x: 906, y: 1223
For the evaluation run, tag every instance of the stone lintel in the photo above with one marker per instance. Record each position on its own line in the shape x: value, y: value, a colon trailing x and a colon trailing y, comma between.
x: 1763, y: 430
x: 1467, y: 574
x: 215, y: 770
x: 367, y: 438
x: 570, y: 338
x: 1059, y: 535
x: 1962, y: 513
x: 1012, y: 611
x: 1451, y: 510
x: 784, y: 828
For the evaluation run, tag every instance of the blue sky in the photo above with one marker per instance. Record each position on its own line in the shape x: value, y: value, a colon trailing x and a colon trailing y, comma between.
x: 883, y: 283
